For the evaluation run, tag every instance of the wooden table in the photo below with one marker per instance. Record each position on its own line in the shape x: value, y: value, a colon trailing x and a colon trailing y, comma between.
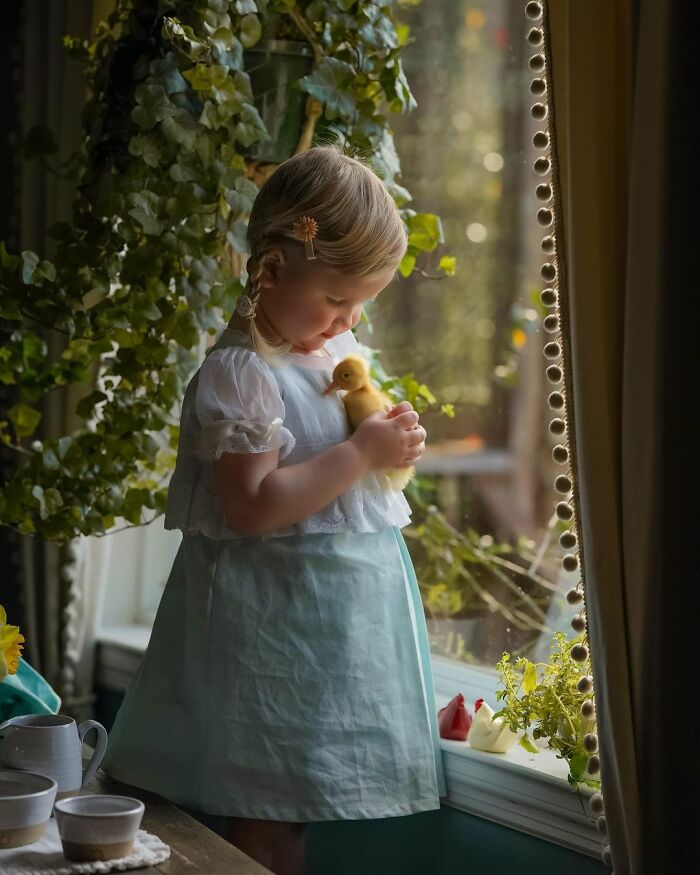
x: 193, y: 847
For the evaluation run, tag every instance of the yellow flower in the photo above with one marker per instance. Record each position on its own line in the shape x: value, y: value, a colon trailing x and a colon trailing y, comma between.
x: 10, y: 645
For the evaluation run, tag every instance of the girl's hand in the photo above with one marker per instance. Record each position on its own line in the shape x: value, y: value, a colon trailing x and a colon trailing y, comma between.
x: 402, y: 407
x: 390, y: 440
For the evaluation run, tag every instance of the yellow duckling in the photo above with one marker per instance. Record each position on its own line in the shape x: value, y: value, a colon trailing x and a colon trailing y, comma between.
x: 361, y: 399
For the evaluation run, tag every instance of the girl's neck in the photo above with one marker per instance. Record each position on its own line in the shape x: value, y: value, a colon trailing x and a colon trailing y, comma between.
x: 238, y: 323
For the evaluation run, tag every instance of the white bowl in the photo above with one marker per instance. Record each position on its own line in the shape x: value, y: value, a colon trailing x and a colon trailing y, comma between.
x: 26, y: 800
x: 98, y: 827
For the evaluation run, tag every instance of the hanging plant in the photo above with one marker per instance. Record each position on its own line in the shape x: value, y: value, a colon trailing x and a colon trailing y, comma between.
x: 163, y: 192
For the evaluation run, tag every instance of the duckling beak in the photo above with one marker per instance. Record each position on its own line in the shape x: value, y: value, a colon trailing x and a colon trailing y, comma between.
x: 332, y: 388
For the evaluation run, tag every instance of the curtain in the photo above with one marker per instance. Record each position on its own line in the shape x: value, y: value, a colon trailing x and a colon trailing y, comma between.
x: 52, y: 94
x: 622, y: 96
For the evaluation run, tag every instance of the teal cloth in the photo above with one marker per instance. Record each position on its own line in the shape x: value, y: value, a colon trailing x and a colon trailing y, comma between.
x: 286, y: 678
x: 26, y: 692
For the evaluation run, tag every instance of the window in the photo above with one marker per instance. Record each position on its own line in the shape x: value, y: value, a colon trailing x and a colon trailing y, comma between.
x: 489, y: 563
x: 139, y: 561
x: 486, y: 542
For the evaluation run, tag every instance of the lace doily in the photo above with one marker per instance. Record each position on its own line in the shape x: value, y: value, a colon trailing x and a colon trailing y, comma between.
x: 45, y: 856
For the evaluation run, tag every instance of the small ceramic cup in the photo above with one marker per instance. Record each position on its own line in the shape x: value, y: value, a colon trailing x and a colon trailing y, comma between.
x: 98, y: 827
x: 26, y: 800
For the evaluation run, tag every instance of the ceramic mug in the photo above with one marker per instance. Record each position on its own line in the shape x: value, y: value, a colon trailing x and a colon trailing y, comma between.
x: 51, y: 744
x: 98, y: 827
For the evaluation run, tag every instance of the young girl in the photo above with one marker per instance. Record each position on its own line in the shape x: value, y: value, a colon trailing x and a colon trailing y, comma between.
x: 288, y: 673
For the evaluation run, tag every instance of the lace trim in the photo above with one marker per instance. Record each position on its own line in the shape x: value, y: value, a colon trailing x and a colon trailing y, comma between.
x: 244, y: 436
x: 355, y: 511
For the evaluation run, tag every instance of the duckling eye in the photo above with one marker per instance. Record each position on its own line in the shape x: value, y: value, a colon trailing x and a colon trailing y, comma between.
x: 346, y: 374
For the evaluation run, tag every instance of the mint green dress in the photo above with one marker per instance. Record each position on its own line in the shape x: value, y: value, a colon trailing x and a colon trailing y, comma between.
x: 287, y: 677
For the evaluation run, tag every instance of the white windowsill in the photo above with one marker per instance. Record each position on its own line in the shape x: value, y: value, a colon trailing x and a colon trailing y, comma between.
x: 523, y: 791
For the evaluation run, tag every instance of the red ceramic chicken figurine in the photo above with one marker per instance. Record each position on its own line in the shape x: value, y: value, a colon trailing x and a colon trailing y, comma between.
x: 454, y: 720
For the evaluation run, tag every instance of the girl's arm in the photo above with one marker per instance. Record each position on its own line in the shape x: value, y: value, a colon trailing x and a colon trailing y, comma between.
x: 257, y: 497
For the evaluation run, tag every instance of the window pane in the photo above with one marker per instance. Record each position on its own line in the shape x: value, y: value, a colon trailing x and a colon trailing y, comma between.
x: 489, y: 560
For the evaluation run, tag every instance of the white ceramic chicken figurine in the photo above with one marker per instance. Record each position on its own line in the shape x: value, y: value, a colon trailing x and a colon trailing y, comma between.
x: 488, y: 734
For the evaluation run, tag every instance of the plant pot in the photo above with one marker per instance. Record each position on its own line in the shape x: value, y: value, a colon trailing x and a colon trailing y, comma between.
x: 274, y: 66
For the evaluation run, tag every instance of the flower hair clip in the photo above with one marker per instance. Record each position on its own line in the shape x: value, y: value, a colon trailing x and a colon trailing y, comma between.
x: 305, y: 229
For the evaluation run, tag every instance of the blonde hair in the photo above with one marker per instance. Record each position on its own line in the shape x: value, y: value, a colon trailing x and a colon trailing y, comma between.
x: 360, y: 231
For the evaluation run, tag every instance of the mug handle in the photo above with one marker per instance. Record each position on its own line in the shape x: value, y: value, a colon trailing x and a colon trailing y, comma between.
x: 100, y: 749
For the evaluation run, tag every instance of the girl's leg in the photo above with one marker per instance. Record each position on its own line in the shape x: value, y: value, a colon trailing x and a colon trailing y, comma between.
x: 275, y: 844
x: 289, y: 855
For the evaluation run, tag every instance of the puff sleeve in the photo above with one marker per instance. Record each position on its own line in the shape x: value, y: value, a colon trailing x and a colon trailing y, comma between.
x: 238, y: 406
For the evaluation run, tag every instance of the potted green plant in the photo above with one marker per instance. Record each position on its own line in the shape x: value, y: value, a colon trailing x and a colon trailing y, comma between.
x: 552, y: 700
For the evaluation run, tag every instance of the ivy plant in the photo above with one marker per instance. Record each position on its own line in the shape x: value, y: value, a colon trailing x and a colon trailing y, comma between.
x: 163, y: 190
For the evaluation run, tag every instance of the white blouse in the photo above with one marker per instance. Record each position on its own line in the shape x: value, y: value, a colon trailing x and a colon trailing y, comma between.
x: 237, y: 403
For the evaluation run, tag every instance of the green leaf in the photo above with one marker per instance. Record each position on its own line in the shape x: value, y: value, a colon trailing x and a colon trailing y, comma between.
x: 180, y: 128
x: 153, y: 105
x: 448, y: 264
x: 25, y: 419
x: 205, y: 77
x: 86, y: 406
x: 63, y: 445
x: 425, y: 231
x: 7, y: 261
x: 145, y: 146
x: 145, y: 212
x: 167, y: 73
x: 184, y: 330
x: 50, y: 460
x: 251, y: 30
x: 425, y: 392
x: 237, y: 236
x: 330, y: 83
x: 407, y: 265
x: 529, y: 745
x: 38, y: 494
x: 577, y: 765
x: 241, y: 198
x: 183, y: 38
x: 222, y: 38
x: 242, y: 90
x: 386, y: 163
x: 396, y: 87
x: 30, y: 262
x: 26, y: 527
x: 132, y: 505
x: 250, y: 128
x: 33, y: 347
x: 529, y: 678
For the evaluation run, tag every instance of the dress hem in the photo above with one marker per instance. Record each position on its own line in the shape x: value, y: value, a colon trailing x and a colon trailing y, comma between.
x: 291, y: 815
